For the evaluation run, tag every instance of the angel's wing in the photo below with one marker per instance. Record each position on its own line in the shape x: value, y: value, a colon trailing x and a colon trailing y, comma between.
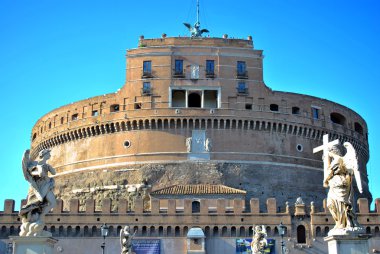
x: 264, y: 230
x: 187, y: 25
x: 121, y: 238
x: 204, y: 31
x: 253, y: 231
x: 25, y: 165
x: 350, y: 160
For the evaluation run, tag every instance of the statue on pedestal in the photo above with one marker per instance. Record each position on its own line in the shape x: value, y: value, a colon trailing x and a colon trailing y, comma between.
x: 259, y: 241
x: 126, y: 240
x: 40, y: 198
x: 340, y: 170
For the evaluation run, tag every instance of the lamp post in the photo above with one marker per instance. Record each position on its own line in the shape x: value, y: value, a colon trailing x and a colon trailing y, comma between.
x: 281, y: 229
x: 104, y: 233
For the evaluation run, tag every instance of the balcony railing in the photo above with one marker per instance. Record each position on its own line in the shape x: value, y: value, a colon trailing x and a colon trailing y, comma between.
x: 147, y: 75
x: 242, y: 90
x: 146, y: 91
x: 210, y: 74
x: 178, y: 74
x: 242, y: 75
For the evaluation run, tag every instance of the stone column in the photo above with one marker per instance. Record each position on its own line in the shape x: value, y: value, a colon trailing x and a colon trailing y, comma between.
x: 35, y: 244
x: 343, y: 244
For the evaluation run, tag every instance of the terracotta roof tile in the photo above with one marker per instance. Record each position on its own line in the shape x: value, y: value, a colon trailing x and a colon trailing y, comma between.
x: 197, y: 189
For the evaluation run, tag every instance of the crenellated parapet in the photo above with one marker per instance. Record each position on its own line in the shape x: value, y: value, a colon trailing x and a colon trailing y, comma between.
x: 174, y: 217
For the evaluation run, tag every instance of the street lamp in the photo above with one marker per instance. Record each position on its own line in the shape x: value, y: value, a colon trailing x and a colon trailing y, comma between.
x: 281, y: 229
x: 104, y: 233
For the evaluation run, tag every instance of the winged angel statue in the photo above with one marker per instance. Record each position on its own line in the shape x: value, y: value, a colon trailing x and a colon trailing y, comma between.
x: 259, y: 241
x: 41, y: 198
x: 196, y: 30
x: 339, y: 179
x: 126, y: 240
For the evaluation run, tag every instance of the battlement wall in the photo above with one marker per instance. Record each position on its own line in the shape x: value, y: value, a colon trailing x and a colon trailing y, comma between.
x: 173, y: 206
x: 171, y: 220
x: 189, y: 41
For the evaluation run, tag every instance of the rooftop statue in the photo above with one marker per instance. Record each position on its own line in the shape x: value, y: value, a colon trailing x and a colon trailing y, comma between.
x: 195, y: 30
x: 41, y: 198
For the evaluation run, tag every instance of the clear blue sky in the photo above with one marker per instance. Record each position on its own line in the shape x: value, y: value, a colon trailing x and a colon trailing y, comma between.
x: 59, y: 51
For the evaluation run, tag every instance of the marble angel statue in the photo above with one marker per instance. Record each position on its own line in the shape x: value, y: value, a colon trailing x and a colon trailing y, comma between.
x: 339, y: 179
x: 126, y: 240
x: 40, y: 198
x: 259, y: 241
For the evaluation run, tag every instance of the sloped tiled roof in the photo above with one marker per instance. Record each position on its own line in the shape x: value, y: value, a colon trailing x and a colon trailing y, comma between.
x: 197, y: 189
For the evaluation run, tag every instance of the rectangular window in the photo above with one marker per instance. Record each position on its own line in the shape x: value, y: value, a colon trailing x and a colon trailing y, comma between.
x: 147, y: 67
x: 146, y: 88
x: 94, y: 113
x: 242, y: 88
x: 178, y: 68
x: 209, y: 67
x: 241, y: 68
x: 315, y: 112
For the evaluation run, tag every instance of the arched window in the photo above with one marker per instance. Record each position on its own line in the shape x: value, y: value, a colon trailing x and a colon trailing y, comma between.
x: 177, y: 231
x: 52, y: 230
x: 368, y: 230
x: 77, y: 231
x: 144, y: 231
x: 275, y: 233
x: 250, y: 231
x: 74, y: 117
x: 34, y: 136
x: 215, y: 231
x: 185, y: 230
x: 358, y: 128
x: 273, y: 107
x: 242, y: 231
x: 295, y: 110
x: 169, y: 231
x: 207, y: 231
x: 136, y: 229
x: 327, y: 229
x: 152, y: 231
x: 224, y: 231
x: 86, y: 231
x: 69, y: 231
x: 160, y: 231
x: 94, y: 231
x: 195, y: 207
x: 337, y: 118
x: 233, y: 231
x: 318, y: 232
x: 269, y: 233
x: 377, y: 232
x: 61, y: 231
x: 194, y: 100
x: 301, y: 234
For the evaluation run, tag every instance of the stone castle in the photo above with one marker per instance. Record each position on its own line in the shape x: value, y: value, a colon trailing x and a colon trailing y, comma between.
x: 195, y: 138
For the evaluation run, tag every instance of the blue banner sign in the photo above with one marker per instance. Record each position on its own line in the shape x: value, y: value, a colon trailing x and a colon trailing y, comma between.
x: 243, y: 246
x: 148, y: 246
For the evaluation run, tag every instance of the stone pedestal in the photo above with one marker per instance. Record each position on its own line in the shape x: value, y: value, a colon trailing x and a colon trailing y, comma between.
x: 33, y: 245
x: 196, y: 241
x: 348, y: 244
